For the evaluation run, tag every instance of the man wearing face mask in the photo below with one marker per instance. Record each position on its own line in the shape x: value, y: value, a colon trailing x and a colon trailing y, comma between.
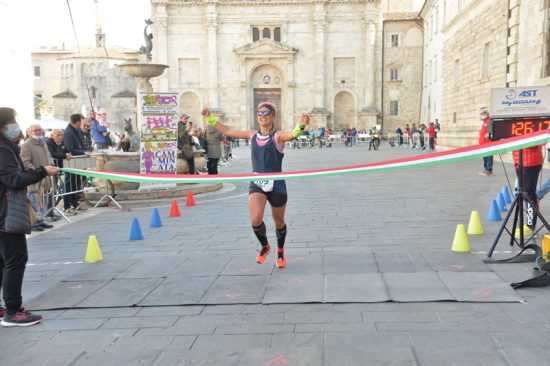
x: 485, y: 137
x: 34, y: 153
x: 14, y: 179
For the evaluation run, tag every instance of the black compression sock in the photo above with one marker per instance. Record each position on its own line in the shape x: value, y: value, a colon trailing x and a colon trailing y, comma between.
x: 260, y: 233
x: 281, y: 236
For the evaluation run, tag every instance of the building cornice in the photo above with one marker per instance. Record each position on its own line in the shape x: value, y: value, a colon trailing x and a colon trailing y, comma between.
x: 460, y: 15
x: 255, y: 2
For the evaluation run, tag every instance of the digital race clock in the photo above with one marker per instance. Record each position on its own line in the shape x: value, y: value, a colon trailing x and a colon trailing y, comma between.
x: 510, y: 127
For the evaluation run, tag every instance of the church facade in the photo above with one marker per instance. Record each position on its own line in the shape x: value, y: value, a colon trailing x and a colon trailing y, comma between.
x: 322, y: 57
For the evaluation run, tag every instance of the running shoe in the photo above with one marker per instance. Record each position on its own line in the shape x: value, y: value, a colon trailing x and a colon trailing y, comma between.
x: 281, y: 259
x: 22, y: 318
x: 262, y: 256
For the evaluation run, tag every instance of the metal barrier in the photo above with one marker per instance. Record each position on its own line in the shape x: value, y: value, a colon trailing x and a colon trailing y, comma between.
x: 69, y: 186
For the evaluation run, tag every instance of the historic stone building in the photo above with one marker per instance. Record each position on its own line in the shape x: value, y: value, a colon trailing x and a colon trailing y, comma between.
x: 433, y: 13
x: 66, y: 80
x: 486, y: 44
x: 402, y: 77
x: 322, y: 57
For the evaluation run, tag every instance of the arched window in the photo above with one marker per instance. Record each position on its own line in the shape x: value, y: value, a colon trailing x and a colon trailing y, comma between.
x: 93, y: 91
x: 255, y: 34
x: 266, y: 33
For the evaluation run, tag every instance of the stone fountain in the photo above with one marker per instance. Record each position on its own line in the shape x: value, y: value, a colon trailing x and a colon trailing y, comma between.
x: 119, y: 161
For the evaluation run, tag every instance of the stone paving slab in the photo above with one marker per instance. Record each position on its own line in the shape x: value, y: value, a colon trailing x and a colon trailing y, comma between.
x: 402, y: 262
x: 121, y: 292
x: 289, y: 356
x: 65, y: 295
x: 455, y: 262
x: 106, y: 270
x: 364, y: 287
x: 179, y: 291
x: 413, y: 287
x: 288, y: 288
x: 151, y: 267
x: 201, y: 265
x: 479, y: 287
x: 350, y: 264
x: 236, y: 290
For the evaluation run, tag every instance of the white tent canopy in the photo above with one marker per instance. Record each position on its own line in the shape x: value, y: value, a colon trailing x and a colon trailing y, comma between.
x: 51, y: 123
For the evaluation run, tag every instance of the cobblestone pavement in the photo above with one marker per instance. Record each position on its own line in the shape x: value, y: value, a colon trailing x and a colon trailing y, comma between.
x: 393, y: 217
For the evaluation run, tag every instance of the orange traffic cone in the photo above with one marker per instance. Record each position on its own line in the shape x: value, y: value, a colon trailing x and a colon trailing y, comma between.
x: 175, y: 210
x: 190, y: 199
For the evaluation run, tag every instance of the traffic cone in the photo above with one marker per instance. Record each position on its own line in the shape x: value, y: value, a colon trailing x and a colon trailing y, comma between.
x: 474, y: 226
x: 155, y: 219
x: 494, y: 213
x: 460, y: 241
x: 190, y: 199
x: 175, y: 210
x: 501, y: 203
x: 135, y: 231
x: 506, y: 194
x: 93, y: 253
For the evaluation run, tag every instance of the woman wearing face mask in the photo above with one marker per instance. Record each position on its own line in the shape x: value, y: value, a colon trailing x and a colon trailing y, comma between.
x: 14, y: 180
x: 267, y: 157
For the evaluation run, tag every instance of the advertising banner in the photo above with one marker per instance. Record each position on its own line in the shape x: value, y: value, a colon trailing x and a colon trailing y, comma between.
x: 520, y: 102
x: 159, y: 133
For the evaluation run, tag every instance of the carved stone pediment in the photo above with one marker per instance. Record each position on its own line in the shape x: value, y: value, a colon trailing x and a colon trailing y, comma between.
x: 266, y: 48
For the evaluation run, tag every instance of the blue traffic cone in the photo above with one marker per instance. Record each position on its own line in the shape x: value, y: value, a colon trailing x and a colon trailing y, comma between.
x: 135, y: 231
x: 155, y: 219
x: 494, y: 213
x: 506, y: 194
x: 501, y: 203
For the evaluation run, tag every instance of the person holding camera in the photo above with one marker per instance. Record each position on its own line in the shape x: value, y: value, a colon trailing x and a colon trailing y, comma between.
x: 185, y: 141
x: 267, y: 146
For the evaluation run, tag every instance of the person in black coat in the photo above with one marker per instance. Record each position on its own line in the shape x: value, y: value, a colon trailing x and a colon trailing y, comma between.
x: 57, y: 149
x: 13, y: 245
x: 71, y: 139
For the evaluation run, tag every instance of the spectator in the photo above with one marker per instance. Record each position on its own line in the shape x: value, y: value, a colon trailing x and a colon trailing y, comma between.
x: 437, y: 126
x: 14, y: 180
x: 414, y: 136
x: 353, y: 136
x: 34, y: 153
x: 213, y: 148
x: 431, y: 135
x: 85, y: 136
x: 99, y: 133
x: 185, y: 142
x: 57, y: 149
x: 399, y: 133
x: 485, y: 137
x: 71, y: 140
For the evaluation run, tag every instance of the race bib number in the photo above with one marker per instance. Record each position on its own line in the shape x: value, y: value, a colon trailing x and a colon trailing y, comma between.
x: 265, y: 185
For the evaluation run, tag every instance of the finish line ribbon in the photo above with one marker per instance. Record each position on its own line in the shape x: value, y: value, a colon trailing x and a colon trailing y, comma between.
x: 438, y: 158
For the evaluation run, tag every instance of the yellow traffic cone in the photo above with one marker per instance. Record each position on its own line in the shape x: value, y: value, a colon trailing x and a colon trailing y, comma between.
x: 474, y: 226
x: 93, y: 253
x: 461, y: 243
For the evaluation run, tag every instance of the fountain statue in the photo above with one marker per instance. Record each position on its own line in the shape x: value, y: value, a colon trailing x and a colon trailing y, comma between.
x: 146, y: 50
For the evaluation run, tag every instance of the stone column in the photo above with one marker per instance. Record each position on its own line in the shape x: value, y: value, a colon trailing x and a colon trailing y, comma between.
x: 160, y: 56
x: 370, y: 69
x: 212, y: 27
x: 320, y: 27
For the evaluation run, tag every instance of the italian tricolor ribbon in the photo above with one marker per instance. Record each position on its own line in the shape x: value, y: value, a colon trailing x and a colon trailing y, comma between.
x: 438, y: 158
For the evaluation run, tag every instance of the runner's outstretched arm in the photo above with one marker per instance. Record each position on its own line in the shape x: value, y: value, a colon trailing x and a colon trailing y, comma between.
x: 225, y: 130
x: 283, y: 137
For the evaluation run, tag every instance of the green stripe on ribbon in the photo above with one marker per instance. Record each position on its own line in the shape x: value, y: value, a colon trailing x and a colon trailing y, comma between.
x: 435, y: 159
